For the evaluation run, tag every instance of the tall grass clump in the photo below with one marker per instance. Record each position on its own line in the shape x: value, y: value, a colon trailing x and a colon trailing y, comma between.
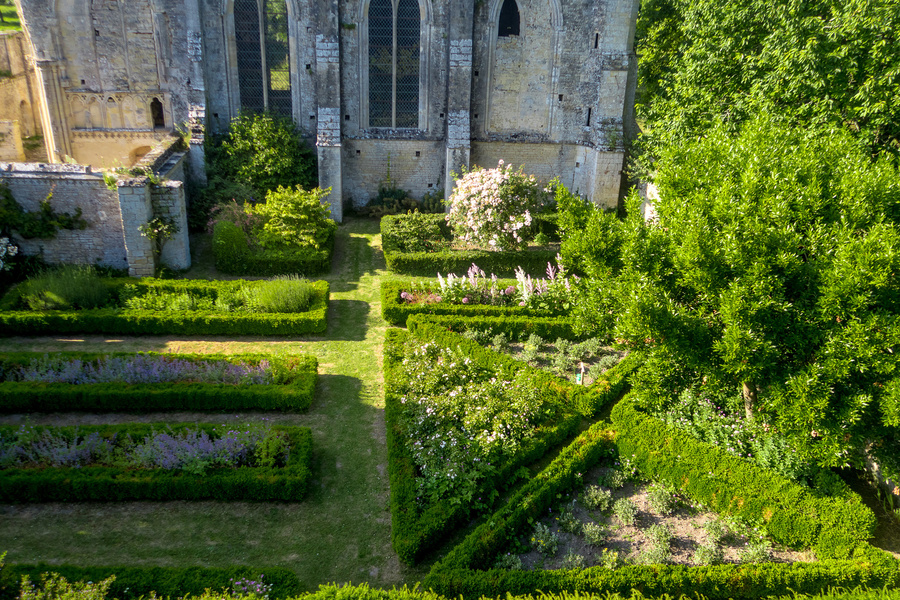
x: 66, y: 287
x: 283, y: 295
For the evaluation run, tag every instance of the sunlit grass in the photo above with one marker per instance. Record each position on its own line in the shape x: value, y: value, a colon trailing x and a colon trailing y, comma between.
x: 10, y: 19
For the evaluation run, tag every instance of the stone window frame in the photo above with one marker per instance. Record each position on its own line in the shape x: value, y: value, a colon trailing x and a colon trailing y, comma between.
x: 231, y: 63
x: 426, y: 32
x: 493, y: 25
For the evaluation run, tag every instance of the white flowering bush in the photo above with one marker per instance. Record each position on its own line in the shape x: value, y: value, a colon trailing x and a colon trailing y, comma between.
x: 462, y: 419
x: 492, y: 207
x: 8, y: 251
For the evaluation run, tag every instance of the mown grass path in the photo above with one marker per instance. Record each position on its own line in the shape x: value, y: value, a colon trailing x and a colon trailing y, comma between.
x: 341, y: 532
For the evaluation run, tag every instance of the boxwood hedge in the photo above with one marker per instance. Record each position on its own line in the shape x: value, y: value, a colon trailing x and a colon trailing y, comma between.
x: 233, y: 255
x: 121, y: 321
x: 112, y: 484
x: 462, y: 573
x: 297, y: 395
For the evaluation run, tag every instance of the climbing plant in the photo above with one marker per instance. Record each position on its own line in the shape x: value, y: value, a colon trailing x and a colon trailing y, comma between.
x: 44, y: 223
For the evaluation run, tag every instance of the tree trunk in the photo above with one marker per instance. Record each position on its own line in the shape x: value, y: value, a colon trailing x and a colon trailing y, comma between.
x: 749, y: 395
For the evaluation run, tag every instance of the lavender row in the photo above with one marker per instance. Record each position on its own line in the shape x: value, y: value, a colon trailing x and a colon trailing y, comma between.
x: 193, y: 451
x: 142, y: 369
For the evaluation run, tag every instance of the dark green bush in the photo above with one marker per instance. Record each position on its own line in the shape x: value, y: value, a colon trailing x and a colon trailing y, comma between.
x: 295, y: 375
x: 110, y: 484
x: 230, y: 246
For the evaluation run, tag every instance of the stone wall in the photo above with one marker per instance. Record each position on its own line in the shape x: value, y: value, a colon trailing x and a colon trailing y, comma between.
x: 72, y: 186
x: 11, y: 148
x: 417, y: 166
x: 19, y: 100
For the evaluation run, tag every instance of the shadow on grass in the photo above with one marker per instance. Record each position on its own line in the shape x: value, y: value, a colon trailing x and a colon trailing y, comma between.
x: 347, y: 320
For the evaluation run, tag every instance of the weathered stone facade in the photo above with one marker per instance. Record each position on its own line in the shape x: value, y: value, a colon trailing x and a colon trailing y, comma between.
x: 546, y: 84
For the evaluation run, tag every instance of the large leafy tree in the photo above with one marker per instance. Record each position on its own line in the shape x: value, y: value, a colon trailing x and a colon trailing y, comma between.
x: 811, y: 61
x: 771, y: 271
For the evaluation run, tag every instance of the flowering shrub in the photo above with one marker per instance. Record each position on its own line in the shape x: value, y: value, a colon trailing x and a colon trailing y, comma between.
x: 553, y: 293
x: 250, y: 588
x: 141, y: 369
x: 475, y: 289
x: 461, y: 419
x: 192, y: 451
x: 8, y: 252
x: 492, y: 207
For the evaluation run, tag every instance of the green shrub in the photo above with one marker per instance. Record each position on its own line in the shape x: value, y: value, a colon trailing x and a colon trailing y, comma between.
x: 567, y: 521
x: 572, y: 560
x: 594, y: 533
x: 662, y: 498
x: 709, y: 553
x: 544, y: 540
x: 283, y: 295
x: 510, y: 562
x: 625, y: 511
x: 230, y: 246
x: 264, y: 151
x: 597, y: 498
x: 53, y: 586
x: 613, y: 478
x: 414, y: 232
x: 70, y: 286
x: 293, y: 218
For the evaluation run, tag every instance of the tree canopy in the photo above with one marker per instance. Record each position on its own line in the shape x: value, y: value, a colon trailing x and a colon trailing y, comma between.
x: 813, y: 62
x: 773, y: 267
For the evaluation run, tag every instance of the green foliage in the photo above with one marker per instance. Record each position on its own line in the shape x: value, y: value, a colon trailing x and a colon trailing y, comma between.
x: 625, y: 511
x: 594, y: 533
x: 614, y: 478
x: 544, y: 540
x: 572, y: 560
x: 597, y: 498
x: 294, y: 217
x: 397, y: 235
x: 233, y: 255
x: 66, y: 287
x: 822, y: 62
x: 283, y: 295
x: 264, y: 151
x: 414, y: 232
x: 53, y: 586
x: 42, y: 224
x: 133, y: 583
x: 835, y: 527
x: 295, y: 377
x: 662, y: 498
x: 709, y: 553
x: 114, y: 484
x: 773, y: 267
x: 216, y: 322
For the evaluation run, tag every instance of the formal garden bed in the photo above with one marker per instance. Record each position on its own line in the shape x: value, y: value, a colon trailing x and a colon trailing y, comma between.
x: 154, y: 462
x: 76, y: 299
x: 148, y: 382
x: 450, y: 457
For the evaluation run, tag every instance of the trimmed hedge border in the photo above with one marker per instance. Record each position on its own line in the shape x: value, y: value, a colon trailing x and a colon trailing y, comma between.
x: 427, y: 264
x: 457, y: 575
x: 835, y: 527
x: 396, y: 312
x: 135, y: 582
x: 234, y: 257
x: 18, y: 397
x: 413, y: 535
x: 119, y: 321
x: 111, y: 484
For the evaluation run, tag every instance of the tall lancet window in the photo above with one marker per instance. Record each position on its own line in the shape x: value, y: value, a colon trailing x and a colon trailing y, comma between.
x: 394, y: 27
x: 263, y: 55
x: 509, y: 19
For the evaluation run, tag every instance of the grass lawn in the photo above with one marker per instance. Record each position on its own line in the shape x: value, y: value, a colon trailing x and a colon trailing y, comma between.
x: 340, y: 533
x: 10, y: 19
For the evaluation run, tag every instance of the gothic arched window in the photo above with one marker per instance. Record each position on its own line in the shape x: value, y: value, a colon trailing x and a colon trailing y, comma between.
x: 263, y: 55
x: 509, y: 19
x: 394, y: 31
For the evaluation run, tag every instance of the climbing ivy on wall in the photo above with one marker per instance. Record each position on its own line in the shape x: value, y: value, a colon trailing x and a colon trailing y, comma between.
x: 44, y: 223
